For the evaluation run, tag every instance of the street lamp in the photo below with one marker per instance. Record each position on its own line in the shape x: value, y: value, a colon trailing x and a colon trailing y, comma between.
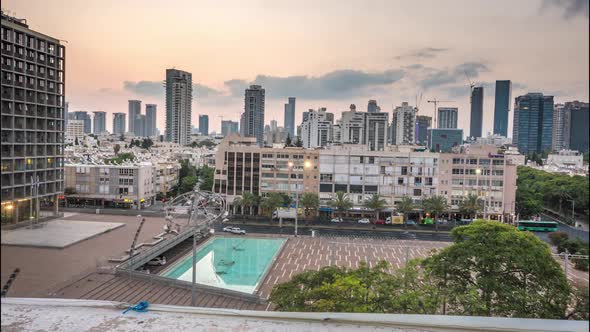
x: 291, y: 164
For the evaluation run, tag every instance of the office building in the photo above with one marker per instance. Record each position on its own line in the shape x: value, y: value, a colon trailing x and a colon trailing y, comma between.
x: 289, y: 117
x: 204, y: 124
x: 476, y: 120
x: 253, y: 125
x: 375, y: 130
x: 32, y: 132
x: 119, y: 123
x: 228, y: 126
x: 100, y: 122
x: 561, y: 128
x: 443, y: 140
x: 151, y: 115
x: 403, y: 124
x: 75, y: 130
x: 447, y: 117
x: 423, y: 123
x: 372, y: 106
x: 578, y: 133
x: 179, y: 97
x: 139, y: 126
x: 316, y: 131
x: 533, y: 123
x: 84, y: 116
x: 502, y: 107
x: 352, y: 125
x: 134, y: 108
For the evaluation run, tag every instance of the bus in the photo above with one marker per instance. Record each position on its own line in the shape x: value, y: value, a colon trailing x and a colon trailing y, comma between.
x: 537, y: 226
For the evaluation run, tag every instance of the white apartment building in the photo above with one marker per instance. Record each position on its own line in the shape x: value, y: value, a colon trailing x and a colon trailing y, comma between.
x: 166, y: 176
x: 75, y: 129
x: 316, y: 130
x: 403, y: 124
x: 375, y: 128
x: 352, y: 126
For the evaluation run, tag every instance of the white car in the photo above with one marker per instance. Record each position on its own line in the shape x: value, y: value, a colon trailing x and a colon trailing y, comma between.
x: 336, y: 220
x: 364, y: 221
x: 234, y: 230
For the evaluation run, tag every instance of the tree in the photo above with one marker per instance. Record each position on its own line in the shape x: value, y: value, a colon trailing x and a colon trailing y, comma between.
x: 375, y: 203
x: 248, y: 200
x: 187, y: 184
x: 146, y: 143
x: 492, y: 269
x: 76, y: 141
x: 205, y: 175
x: 405, y: 206
x: 557, y: 238
x: 341, y: 202
x: 288, y: 141
x: 117, y: 148
x: 436, y: 205
x: 271, y: 202
x: 122, y: 138
x: 579, y: 305
x: 471, y: 205
x: 310, y: 202
x: 299, y: 142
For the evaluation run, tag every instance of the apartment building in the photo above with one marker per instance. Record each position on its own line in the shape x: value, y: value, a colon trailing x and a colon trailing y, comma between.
x: 166, y: 176
x: 32, y: 133
x: 122, y: 186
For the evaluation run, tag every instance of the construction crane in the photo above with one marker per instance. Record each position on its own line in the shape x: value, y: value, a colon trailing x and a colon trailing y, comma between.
x: 435, y: 102
x: 471, y: 84
x: 418, y: 100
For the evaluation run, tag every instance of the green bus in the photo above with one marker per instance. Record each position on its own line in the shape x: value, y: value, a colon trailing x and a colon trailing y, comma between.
x: 537, y: 226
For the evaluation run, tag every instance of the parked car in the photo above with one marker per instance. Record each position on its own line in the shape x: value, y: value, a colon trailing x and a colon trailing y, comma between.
x: 157, y: 261
x: 234, y: 230
x: 410, y: 222
x: 364, y: 221
x: 336, y: 220
x: 379, y: 222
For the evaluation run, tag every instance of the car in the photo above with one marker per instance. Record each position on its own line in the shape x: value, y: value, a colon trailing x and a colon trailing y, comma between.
x: 364, y: 221
x: 336, y: 220
x: 380, y: 222
x: 158, y: 261
x: 234, y: 230
x: 410, y: 222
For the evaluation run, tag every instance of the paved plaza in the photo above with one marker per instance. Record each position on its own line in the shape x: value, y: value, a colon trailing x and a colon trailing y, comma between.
x: 57, y: 233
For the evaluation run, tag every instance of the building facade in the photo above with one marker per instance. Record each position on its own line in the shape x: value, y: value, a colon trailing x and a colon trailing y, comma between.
x: 443, y: 140
x: 375, y: 130
x: 316, y: 131
x: 204, y: 124
x: 84, y: 116
x: 100, y: 122
x: 502, y: 107
x: 579, y: 133
x: 179, y: 98
x: 228, y: 126
x: 423, y: 123
x: 253, y: 124
x: 476, y: 120
x: 289, y: 117
x: 372, y: 106
x: 32, y: 133
x: 447, y: 117
x: 533, y: 123
x: 151, y: 115
x: 352, y: 126
x: 403, y: 125
x: 74, y: 130
x: 134, y: 108
x: 119, y: 123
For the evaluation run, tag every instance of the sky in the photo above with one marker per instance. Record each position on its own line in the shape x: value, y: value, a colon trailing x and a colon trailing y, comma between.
x: 325, y: 53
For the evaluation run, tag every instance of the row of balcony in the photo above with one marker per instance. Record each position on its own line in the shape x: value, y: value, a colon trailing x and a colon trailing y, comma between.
x: 31, y: 137
x: 32, y: 110
x: 31, y: 96
x: 25, y: 191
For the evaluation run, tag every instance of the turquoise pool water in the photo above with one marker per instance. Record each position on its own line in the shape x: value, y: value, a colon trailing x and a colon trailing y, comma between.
x: 235, y: 263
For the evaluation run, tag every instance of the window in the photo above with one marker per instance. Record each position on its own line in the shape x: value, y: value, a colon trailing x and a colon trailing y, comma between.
x: 417, y: 192
x: 472, y: 161
x: 356, y: 189
x: 326, y: 177
x: 325, y: 187
x: 498, y: 162
x: 458, y: 171
x: 268, y: 175
x: 404, y: 170
x: 371, y: 189
x: 400, y: 180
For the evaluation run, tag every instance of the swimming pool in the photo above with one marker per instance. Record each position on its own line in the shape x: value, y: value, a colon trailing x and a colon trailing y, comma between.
x: 235, y: 263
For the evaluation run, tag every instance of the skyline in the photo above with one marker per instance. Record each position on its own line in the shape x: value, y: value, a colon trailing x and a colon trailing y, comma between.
x: 367, y: 51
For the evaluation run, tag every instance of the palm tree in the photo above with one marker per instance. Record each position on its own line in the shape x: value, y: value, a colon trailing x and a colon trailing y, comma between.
x: 436, y: 205
x: 471, y: 205
x: 341, y: 202
x: 405, y: 206
x: 271, y: 202
x: 375, y: 203
x: 310, y: 202
x: 248, y: 200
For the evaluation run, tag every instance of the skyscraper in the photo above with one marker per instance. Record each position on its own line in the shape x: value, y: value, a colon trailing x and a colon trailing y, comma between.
x: 100, y: 122
x: 502, y: 107
x: 139, y: 125
x: 228, y: 127
x: 179, y: 96
x: 403, y: 124
x: 352, y: 126
x: 375, y: 129
x: 84, y: 116
x: 476, y: 112
x: 134, y: 109
x: 578, y: 131
x: 316, y: 131
x: 32, y: 136
x: 423, y: 123
x: 533, y: 123
x: 447, y: 117
x: 289, y: 121
x: 151, y: 113
x: 561, y: 128
x: 119, y: 123
x: 204, y: 124
x: 253, y: 125
x: 372, y: 106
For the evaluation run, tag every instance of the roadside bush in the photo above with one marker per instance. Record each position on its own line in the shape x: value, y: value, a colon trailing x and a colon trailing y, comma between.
x: 557, y: 238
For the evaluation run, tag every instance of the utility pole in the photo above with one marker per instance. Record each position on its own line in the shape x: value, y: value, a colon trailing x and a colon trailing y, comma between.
x: 436, y: 102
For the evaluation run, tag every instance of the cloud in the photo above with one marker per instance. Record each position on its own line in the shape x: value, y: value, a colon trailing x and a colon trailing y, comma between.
x: 489, y: 89
x: 157, y: 89
x: 570, y: 8
x: 335, y: 84
x: 423, y: 53
x: 436, y: 77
